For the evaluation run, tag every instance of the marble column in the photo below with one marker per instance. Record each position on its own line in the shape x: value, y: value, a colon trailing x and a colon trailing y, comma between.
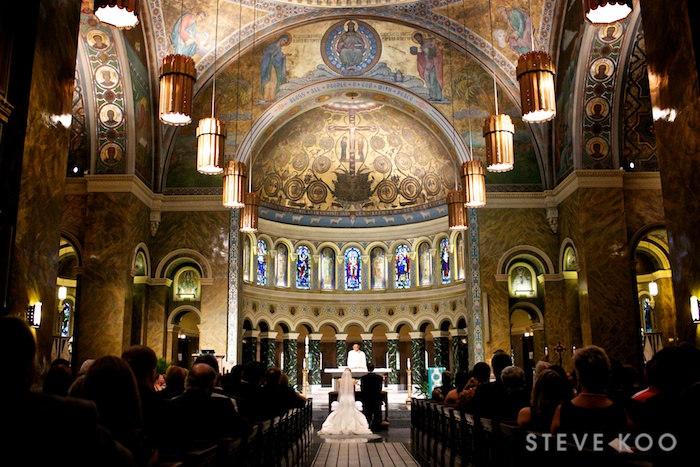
x: 250, y: 346
x: 392, y: 354
x: 441, y: 348
x: 171, y: 344
x: 341, y: 351
x: 267, y: 348
x: 460, y: 361
x: 234, y: 279
x: 673, y: 67
x: 315, y: 361
x: 367, y: 346
x: 289, y: 346
x: 419, y: 375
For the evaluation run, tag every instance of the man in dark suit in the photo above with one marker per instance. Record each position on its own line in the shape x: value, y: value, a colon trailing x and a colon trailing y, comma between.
x: 371, y: 394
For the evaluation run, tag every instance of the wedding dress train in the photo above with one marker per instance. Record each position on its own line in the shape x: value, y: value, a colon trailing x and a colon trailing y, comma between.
x: 346, y: 419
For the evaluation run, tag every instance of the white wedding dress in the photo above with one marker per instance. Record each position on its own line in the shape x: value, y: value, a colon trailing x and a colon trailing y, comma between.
x: 346, y: 419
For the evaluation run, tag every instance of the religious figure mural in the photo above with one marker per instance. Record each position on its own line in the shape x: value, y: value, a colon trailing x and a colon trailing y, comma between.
x: 327, y: 269
x: 378, y: 269
x: 425, y: 270
x: 353, y: 265
x: 303, y: 268
x: 519, y: 36
x: 429, y: 63
x: 445, y: 261
x: 402, y: 268
x: 187, y: 285
x: 184, y: 35
x: 351, y: 47
x: 273, y: 68
x: 261, y: 276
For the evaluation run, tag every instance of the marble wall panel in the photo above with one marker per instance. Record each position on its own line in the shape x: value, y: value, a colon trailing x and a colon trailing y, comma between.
x: 117, y: 222
x: 37, y: 236
x: 155, y: 332
x: 501, y: 230
x: 73, y: 218
x: 643, y: 208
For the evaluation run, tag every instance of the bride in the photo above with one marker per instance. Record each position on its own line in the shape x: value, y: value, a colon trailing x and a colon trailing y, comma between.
x: 346, y: 419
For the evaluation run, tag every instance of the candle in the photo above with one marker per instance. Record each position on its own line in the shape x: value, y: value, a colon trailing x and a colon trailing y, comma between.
x: 408, y: 363
x: 306, y: 341
x: 574, y: 350
x: 546, y: 351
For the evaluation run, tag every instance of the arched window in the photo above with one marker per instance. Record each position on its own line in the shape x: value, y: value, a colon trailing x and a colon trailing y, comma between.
x: 460, y: 257
x: 303, y: 268
x: 353, y: 269
x: 328, y: 269
x: 246, y: 258
x: 262, y: 263
x: 445, y: 261
x: 425, y: 265
x: 402, y: 268
x: 64, y: 318
x: 282, y: 265
x: 378, y: 269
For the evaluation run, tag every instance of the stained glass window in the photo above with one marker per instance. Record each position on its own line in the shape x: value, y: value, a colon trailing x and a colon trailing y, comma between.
x: 328, y: 269
x: 425, y: 265
x: 246, y: 258
x: 460, y: 257
x: 262, y: 263
x: 64, y: 319
x: 303, y: 268
x: 378, y: 269
x: 282, y: 265
x: 353, y: 269
x: 445, y: 261
x: 402, y: 270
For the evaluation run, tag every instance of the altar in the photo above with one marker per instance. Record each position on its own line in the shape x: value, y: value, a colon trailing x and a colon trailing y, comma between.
x: 357, y: 373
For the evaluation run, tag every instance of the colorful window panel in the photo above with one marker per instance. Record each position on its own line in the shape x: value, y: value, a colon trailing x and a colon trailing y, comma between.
x: 353, y: 269
x: 402, y: 268
x: 262, y: 263
x: 303, y: 268
x: 445, y: 261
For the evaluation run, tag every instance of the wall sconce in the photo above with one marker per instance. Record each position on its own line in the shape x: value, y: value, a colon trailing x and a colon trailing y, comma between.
x: 62, y: 292
x: 694, y: 310
x: 122, y: 14
x: 606, y: 11
x: 653, y: 289
x: 34, y: 314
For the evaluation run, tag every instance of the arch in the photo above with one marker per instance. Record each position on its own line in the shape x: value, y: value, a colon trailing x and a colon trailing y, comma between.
x: 181, y: 310
x: 247, y: 325
x: 257, y: 133
x: 328, y: 323
x: 655, y: 249
x: 182, y: 255
x: 533, y: 310
x: 525, y: 251
x: 75, y: 244
x: 445, y: 325
x: 144, y: 248
x: 567, y: 243
x: 263, y: 325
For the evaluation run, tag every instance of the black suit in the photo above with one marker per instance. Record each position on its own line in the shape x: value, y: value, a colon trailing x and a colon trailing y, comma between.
x: 371, y: 394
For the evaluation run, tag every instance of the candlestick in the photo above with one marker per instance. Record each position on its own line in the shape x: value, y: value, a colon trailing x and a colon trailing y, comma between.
x: 408, y: 363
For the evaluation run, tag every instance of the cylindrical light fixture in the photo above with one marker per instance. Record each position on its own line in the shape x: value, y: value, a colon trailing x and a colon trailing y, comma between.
x: 606, y: 11
x: 694, y: 309
x: 653, y: 289
x: 249, y: 215
x: 62, y: 292
x: 234, y: 184
x: 498, y: 136
x: 122, y: 14
x: 474, y: 183
x: 535, y: 73
x: 455, y: 210
x: 211, y: 139
x: 177, y: 78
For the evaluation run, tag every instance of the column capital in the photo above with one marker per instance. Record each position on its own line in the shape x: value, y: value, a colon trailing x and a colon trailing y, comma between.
x: 457, y: 332
x: 439, y: 334
x: 341, y: 337
x: 251, y: 333
x: 290, y: 336
x: 269, y: 335
x: 366, y: 336
x: 416, y: 335
x: 315, y: 336
x: 392, y: 336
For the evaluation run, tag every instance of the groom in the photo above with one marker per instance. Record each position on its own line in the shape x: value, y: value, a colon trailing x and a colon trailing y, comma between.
x: 371, y: 394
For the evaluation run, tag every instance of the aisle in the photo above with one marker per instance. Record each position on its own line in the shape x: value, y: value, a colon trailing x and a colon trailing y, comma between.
x: 364, y: 454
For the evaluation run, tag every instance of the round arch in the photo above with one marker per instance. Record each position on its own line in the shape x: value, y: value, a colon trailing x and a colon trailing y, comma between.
x: 527, y: 251
x: 175, y: 258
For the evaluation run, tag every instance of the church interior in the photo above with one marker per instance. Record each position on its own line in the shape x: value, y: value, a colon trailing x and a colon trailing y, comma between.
x: 350, y: 128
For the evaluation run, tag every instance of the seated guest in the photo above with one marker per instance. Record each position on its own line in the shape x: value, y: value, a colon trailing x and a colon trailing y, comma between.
x: 479, y: 375
x: 278, y: 396
x: 247, y: 393
x: 540, y: 366
x: 440, y: 392
x: 76, y: 386
x: 461, y: 381
x: 546, y: 397
x: 230, y: 380
x: 513, y: 378
x: 196, y: 415
x: 111, y: 384
x: 568, y: 381
x: 174, y: 382
x: 58, y: 379
x: 591, y: 411
x: 30, y: 434
x: 490, y: 400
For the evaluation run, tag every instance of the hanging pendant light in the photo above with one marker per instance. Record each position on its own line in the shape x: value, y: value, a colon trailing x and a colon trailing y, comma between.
x: 211, y: 140
x: 249, y: 215
x: 455, y: 210
x: 211, y: 132
x: 177, y: 78
x: 606, y: 11
x: 122, y: 14
x: 474, y: 183
x: 234, y: 184
x: 535, y: 73
x: 498, y: 135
